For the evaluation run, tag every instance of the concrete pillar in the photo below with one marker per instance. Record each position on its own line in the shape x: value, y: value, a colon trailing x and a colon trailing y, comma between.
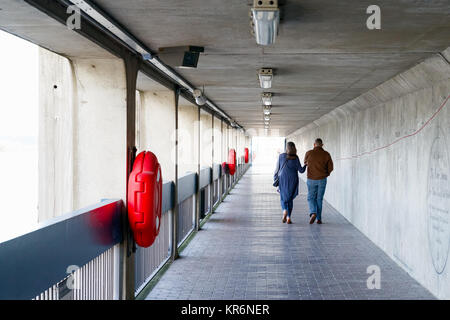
x: 157, y: 129
x: 218, y: 141
x: 174, y: 212
x: 81, y: 133
x: 205, y: 139
x: 56, y: 135
x: 99, y: 131
x: 188, y: 139
x: 188, y: 147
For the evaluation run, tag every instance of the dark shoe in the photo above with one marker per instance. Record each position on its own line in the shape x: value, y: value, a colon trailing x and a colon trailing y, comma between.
x: 319, y: 221
x: 313, y: 218
x: 289, y: 221
x: 284, y: 217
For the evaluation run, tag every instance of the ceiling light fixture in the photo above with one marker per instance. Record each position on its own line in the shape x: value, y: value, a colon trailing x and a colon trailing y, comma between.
x: 266, y: 18
x: 266, y: 118
x: 266, y: 98
x: 265, y: 78
x: 267, y: 111
x: 199, y: 97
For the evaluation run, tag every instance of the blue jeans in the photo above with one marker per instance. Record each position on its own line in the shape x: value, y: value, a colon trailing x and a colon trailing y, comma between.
x: 316, y: 191
x: 288, y: 206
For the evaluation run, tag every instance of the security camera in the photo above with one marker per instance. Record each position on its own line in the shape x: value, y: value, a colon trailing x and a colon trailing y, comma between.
x: 199, y: 97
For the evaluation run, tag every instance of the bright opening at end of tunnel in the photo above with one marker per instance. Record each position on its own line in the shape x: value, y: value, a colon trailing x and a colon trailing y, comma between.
x: 265, y: 152
x: 18, y: 135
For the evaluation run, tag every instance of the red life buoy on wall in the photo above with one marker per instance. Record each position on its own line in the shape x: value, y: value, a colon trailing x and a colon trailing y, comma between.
x: 246, y: 155
x: 145, y: 199
x: 225, y: 168
x: 232, y: 161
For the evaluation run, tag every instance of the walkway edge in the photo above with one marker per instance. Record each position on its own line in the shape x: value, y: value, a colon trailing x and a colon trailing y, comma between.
x: 158, y: 275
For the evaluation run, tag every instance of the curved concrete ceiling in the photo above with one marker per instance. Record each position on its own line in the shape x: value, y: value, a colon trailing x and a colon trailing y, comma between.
x: 324, y: 55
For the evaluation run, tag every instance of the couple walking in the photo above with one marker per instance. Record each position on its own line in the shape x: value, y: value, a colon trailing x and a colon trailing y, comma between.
x: 319, y: 164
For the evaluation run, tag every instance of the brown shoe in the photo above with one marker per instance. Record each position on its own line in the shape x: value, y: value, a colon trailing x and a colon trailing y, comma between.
x: 319, y: 221
x: 284, y: 217
x: 313, y: 218
x: 289, y: 221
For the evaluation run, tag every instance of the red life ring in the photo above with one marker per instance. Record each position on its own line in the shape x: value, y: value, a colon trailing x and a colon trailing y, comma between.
x: 246, y: 155
x: 232, y: 161
x: 225, y: 168
x: 145, y: 199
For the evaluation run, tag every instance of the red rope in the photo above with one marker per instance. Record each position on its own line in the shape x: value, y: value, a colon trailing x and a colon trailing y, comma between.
x: 402, y: 138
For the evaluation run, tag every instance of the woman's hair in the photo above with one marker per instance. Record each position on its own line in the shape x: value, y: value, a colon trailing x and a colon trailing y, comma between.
x: 291, y: 150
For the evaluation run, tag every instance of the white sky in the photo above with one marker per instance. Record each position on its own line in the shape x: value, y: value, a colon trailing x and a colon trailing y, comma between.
x: 19, y: 99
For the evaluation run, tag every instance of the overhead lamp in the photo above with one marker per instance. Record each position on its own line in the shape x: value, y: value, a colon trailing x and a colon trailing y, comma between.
x: 266, y: 18
x: 267, y: 111
x: 265, y: 78
x: 266, y: 98
x: 199, y: 97
x: 266, y: 118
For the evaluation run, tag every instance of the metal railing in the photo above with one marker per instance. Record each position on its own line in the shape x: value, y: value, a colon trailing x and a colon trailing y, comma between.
x: 93, y: 281
x: 69, y: 257
x: 216, y: 195
x: 150, y: 260
x: 186, y: 214
x: 205, y: 201
x: 47, y: 267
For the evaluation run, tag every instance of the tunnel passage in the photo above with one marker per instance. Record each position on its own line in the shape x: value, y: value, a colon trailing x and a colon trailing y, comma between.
x: 245, y: 252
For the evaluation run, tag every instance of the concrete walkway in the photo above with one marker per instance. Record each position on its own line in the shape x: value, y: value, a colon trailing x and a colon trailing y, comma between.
x: 245, y: 252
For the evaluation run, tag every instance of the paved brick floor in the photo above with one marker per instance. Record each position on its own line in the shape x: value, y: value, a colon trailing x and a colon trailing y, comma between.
x: 245, y: 252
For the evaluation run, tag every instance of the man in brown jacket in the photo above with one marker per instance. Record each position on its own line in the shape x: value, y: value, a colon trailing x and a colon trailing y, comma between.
x: 320, y: 166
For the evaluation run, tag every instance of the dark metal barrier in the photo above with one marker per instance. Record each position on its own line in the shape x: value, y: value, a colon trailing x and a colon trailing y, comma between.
x: 150, y: 260
x: 34, y: 262
x: 39, y: 264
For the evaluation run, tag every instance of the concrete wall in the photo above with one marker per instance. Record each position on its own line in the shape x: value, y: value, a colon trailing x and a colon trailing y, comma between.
x: 156, y: 129
x: 226, y: 142
x: 188, y: 130
x: 398, y: 196
x: 82, y: 133
x: 218, y: 141
x: 100, y: 131
x: 56, y: 112
x: 205, y: 139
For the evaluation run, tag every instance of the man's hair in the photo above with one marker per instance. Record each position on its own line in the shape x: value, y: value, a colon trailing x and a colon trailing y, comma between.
x: 319, y: 142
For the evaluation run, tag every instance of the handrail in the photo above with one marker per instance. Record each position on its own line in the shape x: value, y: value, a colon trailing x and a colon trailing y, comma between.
x: 168, y: 197
x: 205, y: 177
x: 187, y: 186
x: 217, y: 172
x: 37, y: 260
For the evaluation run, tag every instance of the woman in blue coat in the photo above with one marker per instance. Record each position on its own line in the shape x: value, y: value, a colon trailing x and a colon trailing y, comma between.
x: 286, y: 171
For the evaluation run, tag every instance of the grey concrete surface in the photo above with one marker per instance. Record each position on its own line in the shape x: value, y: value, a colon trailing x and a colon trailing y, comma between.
x: 398, y: 195
x: 82, y: 132
x: 245, y: 252
x: 324, y: 56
